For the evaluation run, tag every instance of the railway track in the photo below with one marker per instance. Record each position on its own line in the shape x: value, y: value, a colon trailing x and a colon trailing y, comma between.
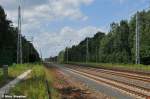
x: 123, y: 74
x: 140, y: 77
x: 139, y: 92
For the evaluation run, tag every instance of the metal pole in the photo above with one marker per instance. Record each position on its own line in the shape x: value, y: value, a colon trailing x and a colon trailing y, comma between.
x: 30, y: 41
x: 28, y: 52
x: 87, y: 50
x: 19, y: 42
x: 99, y: 50
x: 41, y: 56
x: 137, y: 40
x: 96, y: 54
x: 67, y: 54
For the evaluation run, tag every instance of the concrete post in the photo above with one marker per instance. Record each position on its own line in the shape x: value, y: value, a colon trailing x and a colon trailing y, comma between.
x: 5, y: 72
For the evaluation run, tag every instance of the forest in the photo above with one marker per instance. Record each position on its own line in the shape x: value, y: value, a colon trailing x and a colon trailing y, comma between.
x: 116, y: 46
x: 8, y: 43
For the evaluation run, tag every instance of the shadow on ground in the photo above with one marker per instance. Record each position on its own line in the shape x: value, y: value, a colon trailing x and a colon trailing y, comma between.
x: 73, y: 93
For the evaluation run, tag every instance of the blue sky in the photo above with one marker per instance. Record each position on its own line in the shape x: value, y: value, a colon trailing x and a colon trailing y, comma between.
x: 53, y: 23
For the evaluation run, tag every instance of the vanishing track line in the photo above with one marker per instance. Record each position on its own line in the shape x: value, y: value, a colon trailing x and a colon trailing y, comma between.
x: 140, y: 77
x: 132, y: 89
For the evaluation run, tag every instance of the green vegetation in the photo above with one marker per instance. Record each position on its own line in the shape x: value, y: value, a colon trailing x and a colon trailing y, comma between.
x: 34, y: 86
x: 50, y: 76
x: 8, y: 43
x: 17, y: 69
x: 117, y: 46
x: 119, y: 66
x: 13, y: 72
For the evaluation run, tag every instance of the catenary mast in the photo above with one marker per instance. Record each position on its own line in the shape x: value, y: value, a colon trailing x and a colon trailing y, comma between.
x: 19, y: 40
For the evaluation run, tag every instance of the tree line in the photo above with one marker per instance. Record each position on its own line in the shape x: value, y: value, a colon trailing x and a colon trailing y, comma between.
x: 8, y: 43
x: 116, y: 46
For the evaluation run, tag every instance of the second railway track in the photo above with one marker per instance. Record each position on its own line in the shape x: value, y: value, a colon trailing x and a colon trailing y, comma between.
x: 145, y: 78
x: 131, y: 88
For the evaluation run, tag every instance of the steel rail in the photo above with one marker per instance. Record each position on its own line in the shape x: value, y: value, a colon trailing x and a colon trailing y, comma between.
x: 114, y: 84
x: 122, y: 74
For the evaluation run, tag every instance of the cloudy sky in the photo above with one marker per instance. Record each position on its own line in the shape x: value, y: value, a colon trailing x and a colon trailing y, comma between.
x: 53, y: 23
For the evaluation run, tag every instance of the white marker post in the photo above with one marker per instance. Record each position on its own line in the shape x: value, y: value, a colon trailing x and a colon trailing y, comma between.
x: 5, y: 72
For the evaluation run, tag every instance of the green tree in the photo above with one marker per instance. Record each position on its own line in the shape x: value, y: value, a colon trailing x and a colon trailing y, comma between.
x: 8, y: 43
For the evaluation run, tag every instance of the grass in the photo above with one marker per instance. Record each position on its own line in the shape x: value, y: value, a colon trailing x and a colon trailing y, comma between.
x: 34, y: 86
x: 139, y: 67
x: 17, y: 69
x: 13, y: 71
x: 50, y: 76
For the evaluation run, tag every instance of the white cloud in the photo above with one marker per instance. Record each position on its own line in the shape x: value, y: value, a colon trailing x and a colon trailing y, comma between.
x: 39, y: 10
x: 68, y: 8
x: 35, y: 12
x: 67, y: 36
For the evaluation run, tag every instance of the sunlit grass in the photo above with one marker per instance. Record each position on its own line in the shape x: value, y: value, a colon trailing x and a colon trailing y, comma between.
x: 13, y: 71
x: 128, y: 66
x: 34, y: 86
x: 139, y: 67
x: 17, y: 69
